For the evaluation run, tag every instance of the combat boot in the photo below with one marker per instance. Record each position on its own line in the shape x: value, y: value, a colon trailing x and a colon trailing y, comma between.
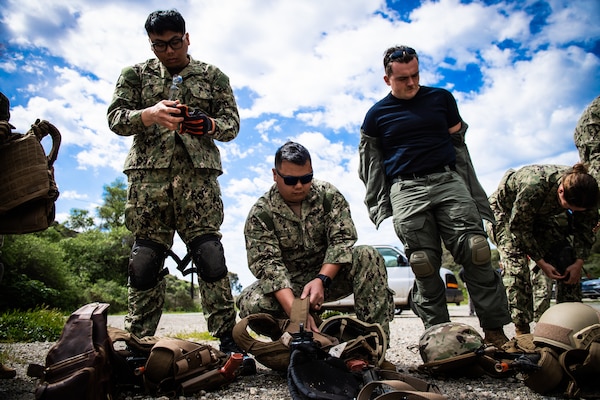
x: 522, y: 329
x: 6, y: 372
x: 495, y: 337
x: 228, y: 345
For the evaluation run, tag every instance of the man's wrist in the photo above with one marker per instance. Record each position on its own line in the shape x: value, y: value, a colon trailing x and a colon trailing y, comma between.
x: 325, y: 279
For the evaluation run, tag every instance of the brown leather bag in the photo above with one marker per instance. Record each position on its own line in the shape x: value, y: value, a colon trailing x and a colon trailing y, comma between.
x: 78, y: 364
x: 28, y: 189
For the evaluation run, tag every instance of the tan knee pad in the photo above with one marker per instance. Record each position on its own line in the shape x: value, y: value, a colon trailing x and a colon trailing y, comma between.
x: 421, y: 265
x: 480, y: 250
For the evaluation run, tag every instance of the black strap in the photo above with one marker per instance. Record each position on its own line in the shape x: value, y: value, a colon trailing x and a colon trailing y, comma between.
x: 181, y: 266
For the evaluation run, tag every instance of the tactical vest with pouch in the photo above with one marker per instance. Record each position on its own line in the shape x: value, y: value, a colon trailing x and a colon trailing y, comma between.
x: 27, y: 186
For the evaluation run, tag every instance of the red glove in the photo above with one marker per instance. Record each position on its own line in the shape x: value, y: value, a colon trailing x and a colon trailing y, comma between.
x: 195, y: 122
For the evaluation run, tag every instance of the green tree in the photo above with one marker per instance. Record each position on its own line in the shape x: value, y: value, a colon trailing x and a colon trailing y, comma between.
x: 36, y: 273
x: 178, y: 296
x: 79, y: 220
x: 112, y: 212
x: 95, y: 255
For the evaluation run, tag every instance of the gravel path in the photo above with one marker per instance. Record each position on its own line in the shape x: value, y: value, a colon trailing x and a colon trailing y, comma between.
x: 266, y: 384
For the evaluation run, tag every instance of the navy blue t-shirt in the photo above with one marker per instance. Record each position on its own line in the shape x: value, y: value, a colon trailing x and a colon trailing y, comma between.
x: 413, y: 134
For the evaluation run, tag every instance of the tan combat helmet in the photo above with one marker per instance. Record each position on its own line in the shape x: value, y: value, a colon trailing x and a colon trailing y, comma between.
x: 567, y: 326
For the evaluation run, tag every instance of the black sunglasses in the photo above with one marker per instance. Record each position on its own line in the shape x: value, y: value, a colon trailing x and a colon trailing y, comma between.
x: 161, y: 46
x: 403, y: 53
x: 293, y: 180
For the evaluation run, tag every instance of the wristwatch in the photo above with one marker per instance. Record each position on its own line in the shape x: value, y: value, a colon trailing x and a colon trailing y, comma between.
x: 325, y: 279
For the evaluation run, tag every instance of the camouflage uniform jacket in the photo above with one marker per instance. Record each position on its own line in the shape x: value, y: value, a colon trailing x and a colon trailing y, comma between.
x: 587, y: 137
x: 527, y: 198
x: 143, y: 85
x: 282, y: 246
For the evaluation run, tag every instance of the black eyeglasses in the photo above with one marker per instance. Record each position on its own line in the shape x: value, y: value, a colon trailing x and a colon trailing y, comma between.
x: 160, y: 46
x: 293, y: 180
x: 402, y: 53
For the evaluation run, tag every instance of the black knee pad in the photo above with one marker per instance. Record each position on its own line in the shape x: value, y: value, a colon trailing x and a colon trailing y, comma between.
x: 209, y: 257
x: 146, y: 264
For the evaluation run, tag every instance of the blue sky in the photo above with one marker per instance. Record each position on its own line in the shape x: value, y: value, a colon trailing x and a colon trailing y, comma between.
x: 522, y: 73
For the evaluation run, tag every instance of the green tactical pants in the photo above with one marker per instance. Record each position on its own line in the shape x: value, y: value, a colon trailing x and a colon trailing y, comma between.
x: 436, y: 208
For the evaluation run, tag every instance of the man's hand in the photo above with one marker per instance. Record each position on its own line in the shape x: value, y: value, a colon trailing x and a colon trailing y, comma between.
x: 195, y: 122
x: 549, y: 270
x: 314, y: 289
x: 573, y: 273
x: 163, y: 113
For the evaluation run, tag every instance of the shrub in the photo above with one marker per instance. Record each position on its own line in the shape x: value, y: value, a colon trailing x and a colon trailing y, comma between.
x: 38, y: 325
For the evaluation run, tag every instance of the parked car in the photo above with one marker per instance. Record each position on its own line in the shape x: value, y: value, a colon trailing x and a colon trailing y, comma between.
x: 400, y: 280
x: 590, y: 288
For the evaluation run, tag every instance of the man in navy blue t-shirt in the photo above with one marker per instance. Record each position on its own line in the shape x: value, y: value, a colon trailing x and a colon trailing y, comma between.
x: 408, y: 164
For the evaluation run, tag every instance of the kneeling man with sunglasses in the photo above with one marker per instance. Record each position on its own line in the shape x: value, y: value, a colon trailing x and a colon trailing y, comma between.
x: 300, y: 243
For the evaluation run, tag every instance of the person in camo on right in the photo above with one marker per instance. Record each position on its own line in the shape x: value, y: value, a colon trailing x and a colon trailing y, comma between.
x: 544, y: 213
x: 587, y: 138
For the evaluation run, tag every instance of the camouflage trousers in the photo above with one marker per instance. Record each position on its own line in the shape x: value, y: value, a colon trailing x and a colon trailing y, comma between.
x: 159, y: 203
x: 528, y: 289
x: 366, y: 277
x: 145, y: 308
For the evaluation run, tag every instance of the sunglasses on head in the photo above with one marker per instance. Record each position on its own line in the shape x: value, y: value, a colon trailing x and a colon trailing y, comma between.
x: 402, y: 53
x: 293, y: 180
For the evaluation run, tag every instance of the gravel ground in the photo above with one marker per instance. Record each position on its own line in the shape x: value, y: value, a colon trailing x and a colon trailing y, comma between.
x: 267, y: 384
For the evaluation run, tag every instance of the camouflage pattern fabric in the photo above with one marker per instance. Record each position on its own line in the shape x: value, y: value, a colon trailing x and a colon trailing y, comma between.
x: 204, y: 87
x: 531, y: 222
x: 173, y: 178
x: 187, y: 200
x: 286, y: 251
x: 447, y: 340
x: 587, y: 137
x: 541, y: 290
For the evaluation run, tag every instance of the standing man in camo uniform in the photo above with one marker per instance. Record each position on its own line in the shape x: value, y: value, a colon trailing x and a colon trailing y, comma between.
x: 544, y: 213
x: 300, y: 242
x: 587, y: 137
x: 172, y: 169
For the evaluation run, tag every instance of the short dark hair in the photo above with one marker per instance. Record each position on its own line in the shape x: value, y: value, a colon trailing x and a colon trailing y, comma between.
x: 580, y: 188
x: 292, y: 152
x: 404, y: 54
x: 161, y: 21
